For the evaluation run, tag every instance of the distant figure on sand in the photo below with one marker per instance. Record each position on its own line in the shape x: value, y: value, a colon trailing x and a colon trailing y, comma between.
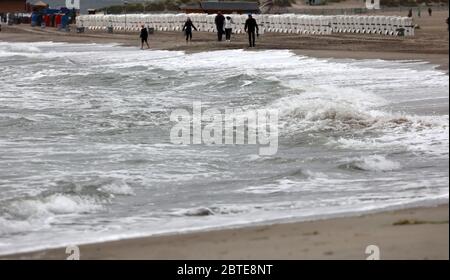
x: 220, y: 21
x: 187, y: 28
x: 410, y: 13
x: 430, y: 11
x: 228, y: 28
x: 144, y: 37
x: 251, y: 27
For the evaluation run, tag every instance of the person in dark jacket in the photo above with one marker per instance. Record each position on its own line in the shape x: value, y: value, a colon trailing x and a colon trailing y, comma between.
x: 187, y: 28
x: 220, y: 21
x: 410, y: 13
x: 251, y: 27
x: 144, y: 37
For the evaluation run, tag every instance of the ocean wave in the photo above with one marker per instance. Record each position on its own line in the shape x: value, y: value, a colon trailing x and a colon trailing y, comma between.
x: 56, y: 204
x: 101, y: 187
x: 37, y: 213
x: 328, y: 109
x: 67, y: 197
x: 15, y: 121
x: 340, y: 109
x: 377, y: 163
x: 348, y: 118
x: 8, y: 227
x: 282, y: 185
x: 212, y: 210
x: 331, y: 113
x: 417, y: 134
x: 17, y: 48
x: 117, y: 188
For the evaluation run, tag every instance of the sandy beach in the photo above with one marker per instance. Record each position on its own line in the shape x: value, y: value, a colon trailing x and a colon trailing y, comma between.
x: 418, y: 233
x: 429, y: 44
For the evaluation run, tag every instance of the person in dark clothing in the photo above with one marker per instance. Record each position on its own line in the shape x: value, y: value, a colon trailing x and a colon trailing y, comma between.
x: 251, y: 27
x: 430, y: 11
x: 187, y: 28
x: 410, y: 13
x: 144, y: 37
x: 220, y: 21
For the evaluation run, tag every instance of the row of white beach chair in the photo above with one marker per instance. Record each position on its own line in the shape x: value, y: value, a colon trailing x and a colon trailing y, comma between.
x: 387, y: 25
x: 286, y: 23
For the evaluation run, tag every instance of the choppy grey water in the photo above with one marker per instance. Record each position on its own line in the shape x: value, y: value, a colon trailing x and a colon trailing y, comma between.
x: 85, y: 153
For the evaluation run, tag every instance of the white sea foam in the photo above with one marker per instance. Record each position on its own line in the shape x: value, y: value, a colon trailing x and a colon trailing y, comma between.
x: 117, y: 188
x: 19, y: 48
x: 84, y: 130
x: 377, y: 163
x: 55, y: 204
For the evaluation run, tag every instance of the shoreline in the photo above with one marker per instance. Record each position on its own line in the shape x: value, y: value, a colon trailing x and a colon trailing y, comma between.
x: 330, y: 238
x: 430, y: 44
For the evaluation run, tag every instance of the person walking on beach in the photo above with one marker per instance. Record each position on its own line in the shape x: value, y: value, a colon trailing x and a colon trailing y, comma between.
x: 251, y: 27
x: 430, y: 11
x: 220, y: 21
x: 410, y: 13
x: 228, y: 28
x: 144, y: 37
x: 187, y: 28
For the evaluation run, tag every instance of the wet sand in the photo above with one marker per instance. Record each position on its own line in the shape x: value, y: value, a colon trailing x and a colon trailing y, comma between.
x: 420, y: 233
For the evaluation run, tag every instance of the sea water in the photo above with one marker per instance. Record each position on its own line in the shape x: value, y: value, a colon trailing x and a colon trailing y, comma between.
x: 86, y: 154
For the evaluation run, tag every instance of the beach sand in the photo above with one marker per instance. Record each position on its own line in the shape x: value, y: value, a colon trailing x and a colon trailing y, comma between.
x: 421, y: 233
x: 430, y: 43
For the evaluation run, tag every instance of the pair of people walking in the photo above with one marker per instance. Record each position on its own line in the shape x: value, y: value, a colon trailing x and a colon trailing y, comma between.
x: 224, y: 25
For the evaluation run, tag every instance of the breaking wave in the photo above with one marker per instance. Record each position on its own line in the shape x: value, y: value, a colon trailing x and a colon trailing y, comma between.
x: 341, y: 110
x: 85, y: 152
x: 74, y: 198
x: 213, y: 210
x: 376, y: 163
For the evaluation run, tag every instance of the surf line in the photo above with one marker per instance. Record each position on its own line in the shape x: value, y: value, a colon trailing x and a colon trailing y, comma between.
x: 226, y: 127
